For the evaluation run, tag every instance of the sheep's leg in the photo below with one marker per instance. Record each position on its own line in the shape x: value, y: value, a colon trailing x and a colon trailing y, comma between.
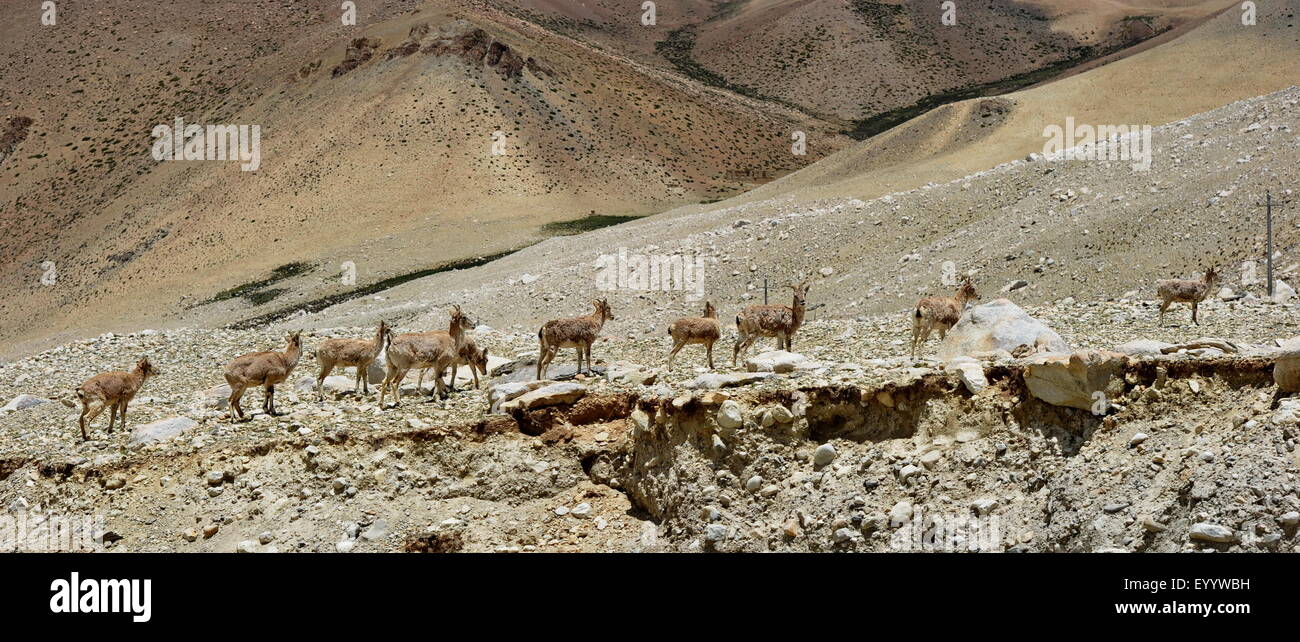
x: 708, y: 349
x: 236, y: 411
x: 542, y: 361
x: 383, y: 386
x: 1164, y: 305
x: 916, y: 333
x: 268, y: 398
x: 677, y: 345
x: 590, y: 368
x: 1194, y: 313
x: 112, y: 416
x: 397, y: 386
x: 452, y: 382
x: 742, y: 347
x: 124, y: 402
x: 88, y: 416
x: 925, y: 336
x: 325, y: 368
x: 439, y: 389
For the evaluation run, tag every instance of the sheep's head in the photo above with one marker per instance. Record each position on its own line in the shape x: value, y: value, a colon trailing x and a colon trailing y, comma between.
x: 710, y: 312
x: 602, y: 306
x: 460, y: 320
x: 966, y: 291
x: 800, y: 293
x: 147, y: 369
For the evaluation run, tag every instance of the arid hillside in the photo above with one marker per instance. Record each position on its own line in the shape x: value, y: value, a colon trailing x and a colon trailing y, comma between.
x: 862, y: 62
x: 875, y: 226
x: 428, y: 133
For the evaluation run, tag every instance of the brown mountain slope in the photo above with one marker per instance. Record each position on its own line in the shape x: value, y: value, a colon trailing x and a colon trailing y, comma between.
x: 377, y: 148
x: 853, y: 59
x: 885, y: 215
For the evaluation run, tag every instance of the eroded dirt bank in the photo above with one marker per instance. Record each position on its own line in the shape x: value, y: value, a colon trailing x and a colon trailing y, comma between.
x: 1193, y: 454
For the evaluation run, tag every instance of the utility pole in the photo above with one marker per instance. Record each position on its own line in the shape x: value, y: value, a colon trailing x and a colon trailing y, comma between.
x: 1268, y: 214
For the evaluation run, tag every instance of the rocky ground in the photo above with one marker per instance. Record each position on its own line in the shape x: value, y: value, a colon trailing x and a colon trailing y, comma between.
x: 851, y: 445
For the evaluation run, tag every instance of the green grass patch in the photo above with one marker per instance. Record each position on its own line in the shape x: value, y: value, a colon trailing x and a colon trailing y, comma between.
x: 584, y: 224
x: 251, y: 291
x: 317, y: 305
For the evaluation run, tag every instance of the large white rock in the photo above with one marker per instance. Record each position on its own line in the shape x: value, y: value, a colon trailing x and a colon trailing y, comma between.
x: 998, y: 325
x: 1286, y: 371
x: 1072, y: 380
x: 22, y: 402
x: 971, y: 374
x: 730, y: 415
x: 1282, y: 292
x: 1207, y: 532
x: 630, y: 373
x: 776, y: 361
x: 553, y: 395
x: 504, y: 392
x: 160, y: 430
x: 214, y: 398
x: 1143, y: 347
x: 378, y: 369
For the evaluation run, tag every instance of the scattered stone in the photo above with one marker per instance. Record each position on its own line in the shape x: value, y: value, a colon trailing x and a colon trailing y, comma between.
x: 781, y: 414
x: 1207, y: 532
x: 162, y: 430
x: 377, y: 530
x: 984, y: 506
x: 730, y: 415
x: 824, y: 455
x: 1074, y: 380
x: 900, y: 514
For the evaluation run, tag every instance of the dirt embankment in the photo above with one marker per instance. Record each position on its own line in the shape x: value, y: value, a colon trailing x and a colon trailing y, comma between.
x: 1196, y: 453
